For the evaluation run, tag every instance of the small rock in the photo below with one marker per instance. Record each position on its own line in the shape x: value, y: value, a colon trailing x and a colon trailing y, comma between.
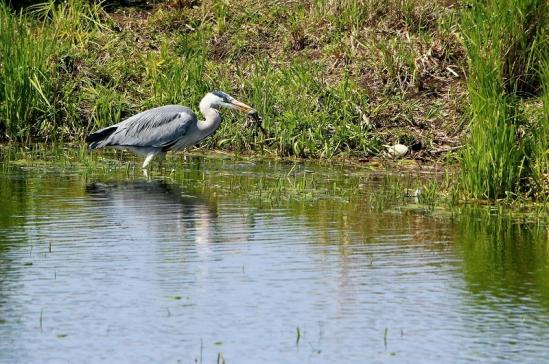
x: 397, y: 150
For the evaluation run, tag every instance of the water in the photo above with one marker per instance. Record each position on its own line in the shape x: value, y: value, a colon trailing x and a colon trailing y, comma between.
x: 233, y: 258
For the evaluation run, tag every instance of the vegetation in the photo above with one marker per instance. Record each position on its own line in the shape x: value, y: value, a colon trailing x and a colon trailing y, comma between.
x: 330, y: 78
x: 507, y: 52
x: 24, y: 89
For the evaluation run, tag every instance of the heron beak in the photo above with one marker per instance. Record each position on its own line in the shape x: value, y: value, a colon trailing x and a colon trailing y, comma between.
x: 240, y: 106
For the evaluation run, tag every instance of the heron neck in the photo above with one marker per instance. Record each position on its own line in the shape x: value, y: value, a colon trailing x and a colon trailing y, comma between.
x: 212, y: 122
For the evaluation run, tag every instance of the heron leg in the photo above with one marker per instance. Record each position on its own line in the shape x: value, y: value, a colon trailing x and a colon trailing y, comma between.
x: 148, y: 159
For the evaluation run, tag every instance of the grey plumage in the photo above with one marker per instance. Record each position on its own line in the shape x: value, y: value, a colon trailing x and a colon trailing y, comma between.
x: 172, y: 127
x: 160, y: 127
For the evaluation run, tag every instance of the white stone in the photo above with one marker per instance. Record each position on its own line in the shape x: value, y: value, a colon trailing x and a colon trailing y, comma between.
x: 397, y: 150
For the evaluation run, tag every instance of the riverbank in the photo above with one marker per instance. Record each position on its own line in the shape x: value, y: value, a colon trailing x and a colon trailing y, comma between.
x: 330, y: 79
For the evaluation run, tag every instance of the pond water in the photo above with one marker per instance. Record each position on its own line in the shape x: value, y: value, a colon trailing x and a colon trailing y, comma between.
x: 261, y: 262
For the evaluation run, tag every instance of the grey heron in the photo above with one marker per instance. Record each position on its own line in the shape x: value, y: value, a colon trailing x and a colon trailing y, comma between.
x: 155, y: 131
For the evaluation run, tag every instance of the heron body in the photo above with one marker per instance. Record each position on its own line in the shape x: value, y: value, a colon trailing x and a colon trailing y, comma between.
x: 156, y: 131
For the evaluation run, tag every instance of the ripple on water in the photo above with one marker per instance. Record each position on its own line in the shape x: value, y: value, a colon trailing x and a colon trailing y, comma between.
x: 147, y: 271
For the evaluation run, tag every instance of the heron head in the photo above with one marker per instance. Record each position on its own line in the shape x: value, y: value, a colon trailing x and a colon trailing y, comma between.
x: 217, y: 99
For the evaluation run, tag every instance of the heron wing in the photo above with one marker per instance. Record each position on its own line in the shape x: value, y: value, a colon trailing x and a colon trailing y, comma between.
x: 160, y: 127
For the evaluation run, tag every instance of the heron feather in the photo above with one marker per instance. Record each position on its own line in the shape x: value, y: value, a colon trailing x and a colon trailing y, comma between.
x: 159, y: 127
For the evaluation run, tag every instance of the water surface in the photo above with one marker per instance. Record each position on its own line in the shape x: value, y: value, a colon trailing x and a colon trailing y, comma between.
x: 234, y: 258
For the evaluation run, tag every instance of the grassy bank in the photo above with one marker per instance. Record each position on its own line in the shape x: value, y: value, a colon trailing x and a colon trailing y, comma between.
x: 330, y: 78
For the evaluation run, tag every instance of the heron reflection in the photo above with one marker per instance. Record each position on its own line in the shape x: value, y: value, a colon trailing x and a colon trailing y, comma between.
x: 155, y: 209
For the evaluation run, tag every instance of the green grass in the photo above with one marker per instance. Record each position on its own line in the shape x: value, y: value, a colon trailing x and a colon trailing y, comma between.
x: 24, y: 75
x: 502, y: 47
x: 38, y: 95
x: 540, y: 133
x: 320, y: 120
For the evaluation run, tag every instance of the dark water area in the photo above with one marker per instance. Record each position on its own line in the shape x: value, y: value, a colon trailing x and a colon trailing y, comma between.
x: 261, y: 262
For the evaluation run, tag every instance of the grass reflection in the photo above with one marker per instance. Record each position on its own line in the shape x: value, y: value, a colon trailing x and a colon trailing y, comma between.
x: 504, y: 254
